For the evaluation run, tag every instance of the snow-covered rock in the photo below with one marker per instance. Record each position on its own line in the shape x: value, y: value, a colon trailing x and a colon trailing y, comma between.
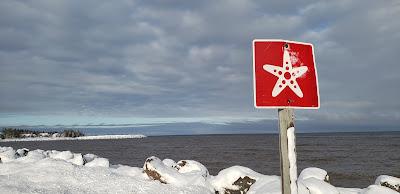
x: 157, y: 170
x: 315, y: 181
x: 7, y: 154
x: 22, y: 152
x: 128, y: 171
x: 54, y: 176
x: 89, y: 157
x: 389, y: 182
x: 64, y: 155
x: 317, y: 186
x: 191, y: 166
x: 77, y: 159
x: 169, y: 162
x: 98, y: 162
x: 239, y: 179
x: 33, y: 156
x: 377, y: 189
x: 313, y: 172
x: 349, y: 190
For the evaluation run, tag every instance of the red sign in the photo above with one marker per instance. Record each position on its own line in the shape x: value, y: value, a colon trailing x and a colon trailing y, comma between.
x: 285, y: 75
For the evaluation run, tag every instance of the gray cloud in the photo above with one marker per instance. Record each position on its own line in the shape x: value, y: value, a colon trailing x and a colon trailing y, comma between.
x: 192, y: 58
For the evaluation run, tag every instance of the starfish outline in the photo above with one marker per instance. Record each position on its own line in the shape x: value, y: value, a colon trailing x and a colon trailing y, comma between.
x: 287, y: 74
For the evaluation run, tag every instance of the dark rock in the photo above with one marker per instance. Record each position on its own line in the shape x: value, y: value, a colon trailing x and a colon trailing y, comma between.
x: 151, y: 172
x: 21, y: 152
x: 181, y: 163
x: 243, y: 184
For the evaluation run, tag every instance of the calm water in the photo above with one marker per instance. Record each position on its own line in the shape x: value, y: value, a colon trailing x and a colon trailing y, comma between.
x: 351, y: 159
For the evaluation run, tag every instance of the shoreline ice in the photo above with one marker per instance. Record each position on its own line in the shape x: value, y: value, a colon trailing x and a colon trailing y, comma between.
x: 39, y: 171
x: 94, y: 137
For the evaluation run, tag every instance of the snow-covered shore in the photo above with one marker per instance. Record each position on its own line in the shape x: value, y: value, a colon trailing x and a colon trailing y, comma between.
x: 39, y: 171
x: 75, y: 138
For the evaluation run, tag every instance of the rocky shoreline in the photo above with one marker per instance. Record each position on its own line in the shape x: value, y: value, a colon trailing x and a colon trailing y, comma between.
x: 63, y: 171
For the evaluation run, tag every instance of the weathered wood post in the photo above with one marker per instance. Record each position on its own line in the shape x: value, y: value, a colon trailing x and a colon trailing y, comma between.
x: 286, y: 121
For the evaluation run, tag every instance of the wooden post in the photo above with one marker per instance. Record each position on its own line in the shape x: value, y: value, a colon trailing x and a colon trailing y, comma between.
x: 286, y: 120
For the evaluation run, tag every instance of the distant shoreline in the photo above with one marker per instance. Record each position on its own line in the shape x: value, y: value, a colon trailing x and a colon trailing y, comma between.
x: 95, y: 137
x: 297, y: 133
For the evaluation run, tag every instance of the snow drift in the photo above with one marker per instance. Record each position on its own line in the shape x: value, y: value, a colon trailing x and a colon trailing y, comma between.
x: 39, y: 171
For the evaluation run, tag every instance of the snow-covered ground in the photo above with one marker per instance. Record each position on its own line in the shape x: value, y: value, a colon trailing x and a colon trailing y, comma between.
x: 39, y: 171
x: 75, y: 138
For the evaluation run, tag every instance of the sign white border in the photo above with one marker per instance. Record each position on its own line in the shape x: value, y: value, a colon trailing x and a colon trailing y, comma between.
x: 254, y: 74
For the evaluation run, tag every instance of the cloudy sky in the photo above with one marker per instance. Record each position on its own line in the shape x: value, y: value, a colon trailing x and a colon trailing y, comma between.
x: 154, y: 61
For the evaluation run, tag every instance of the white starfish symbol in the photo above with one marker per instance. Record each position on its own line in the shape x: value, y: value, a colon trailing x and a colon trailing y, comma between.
x: 287, y: 74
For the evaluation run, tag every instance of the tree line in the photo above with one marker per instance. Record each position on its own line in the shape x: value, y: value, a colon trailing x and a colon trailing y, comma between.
x: 9, y: 133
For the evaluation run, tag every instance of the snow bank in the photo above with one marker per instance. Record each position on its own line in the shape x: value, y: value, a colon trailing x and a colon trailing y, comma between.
x: 75, y: 138
x: 40, y: 171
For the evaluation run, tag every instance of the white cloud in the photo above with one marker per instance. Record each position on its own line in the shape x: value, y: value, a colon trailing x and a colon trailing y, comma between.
x: 190, y: 58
